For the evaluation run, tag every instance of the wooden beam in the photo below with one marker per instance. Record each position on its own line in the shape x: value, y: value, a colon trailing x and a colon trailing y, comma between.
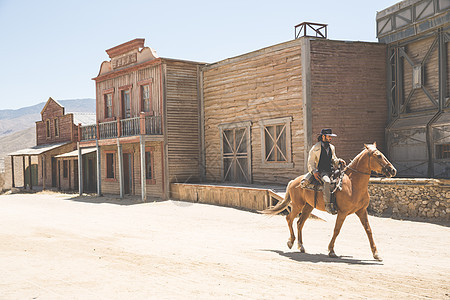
x: 120, y: 157
x: 80, y: 171
x: 12, y: 172
x: 143, y: 171
x: 23, y: 170
x: 99, y: 173
x: 30, y: 176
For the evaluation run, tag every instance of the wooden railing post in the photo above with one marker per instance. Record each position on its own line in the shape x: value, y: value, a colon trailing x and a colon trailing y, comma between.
x: 142, y: 123
x: 97, y: 130
x: 79, y: 132
x: 119, y: 128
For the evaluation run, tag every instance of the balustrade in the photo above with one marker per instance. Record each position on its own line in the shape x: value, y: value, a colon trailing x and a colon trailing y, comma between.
x: 147, y: 125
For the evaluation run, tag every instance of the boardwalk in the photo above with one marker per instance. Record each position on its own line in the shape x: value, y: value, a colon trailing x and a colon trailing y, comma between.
x: 53, y: 246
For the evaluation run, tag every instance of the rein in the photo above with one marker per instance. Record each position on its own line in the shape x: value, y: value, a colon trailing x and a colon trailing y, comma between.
x: 365, y: 173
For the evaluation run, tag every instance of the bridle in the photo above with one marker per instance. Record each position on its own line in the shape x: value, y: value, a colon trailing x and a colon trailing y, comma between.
x: 384, y: 168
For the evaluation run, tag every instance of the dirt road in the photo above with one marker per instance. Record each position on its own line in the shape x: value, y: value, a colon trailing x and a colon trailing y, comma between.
x: 55, y: 246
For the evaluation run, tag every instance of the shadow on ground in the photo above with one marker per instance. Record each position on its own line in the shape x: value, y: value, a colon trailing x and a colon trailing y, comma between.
x: 322, y: 258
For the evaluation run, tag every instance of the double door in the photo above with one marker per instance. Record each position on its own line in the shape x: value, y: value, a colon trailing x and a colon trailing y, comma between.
x: 236, y: 155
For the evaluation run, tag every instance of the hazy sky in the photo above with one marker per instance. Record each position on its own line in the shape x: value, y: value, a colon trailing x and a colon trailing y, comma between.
x: 54, y: 48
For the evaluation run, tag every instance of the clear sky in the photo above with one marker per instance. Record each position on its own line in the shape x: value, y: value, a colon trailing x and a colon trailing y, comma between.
x: 54, y: 48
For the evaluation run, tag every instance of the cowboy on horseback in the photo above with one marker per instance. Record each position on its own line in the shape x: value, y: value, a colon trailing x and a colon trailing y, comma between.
x: 321, y: 162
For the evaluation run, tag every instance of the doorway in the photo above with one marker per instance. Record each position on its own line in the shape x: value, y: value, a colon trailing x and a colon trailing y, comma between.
x: 235, y: 155
x: 128, y: 173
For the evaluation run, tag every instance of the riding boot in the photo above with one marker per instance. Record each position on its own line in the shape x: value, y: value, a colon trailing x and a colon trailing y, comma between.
x: 329, y: 206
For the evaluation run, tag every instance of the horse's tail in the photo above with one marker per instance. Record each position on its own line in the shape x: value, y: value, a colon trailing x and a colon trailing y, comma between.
x: 280, y: 205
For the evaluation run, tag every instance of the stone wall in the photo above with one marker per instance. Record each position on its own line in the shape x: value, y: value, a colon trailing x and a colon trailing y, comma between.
x: 410, y: 198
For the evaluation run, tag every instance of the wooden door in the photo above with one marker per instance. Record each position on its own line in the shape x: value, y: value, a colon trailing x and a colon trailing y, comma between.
x: 126, y: 104
x: 54, y: 172
x: 235, y: 156
x: 128, y: 173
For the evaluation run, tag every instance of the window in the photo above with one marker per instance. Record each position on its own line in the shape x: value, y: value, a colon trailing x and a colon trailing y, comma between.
x: 47, y: 127
x: 110, y: 165
x: 108, y: 105
x: 65, y: 169
x: 149, y: 164
x: 126, y: 104
x: 56, y: 125
x: 443, y: 151
x: 276, y: 141
x: 145, y: 98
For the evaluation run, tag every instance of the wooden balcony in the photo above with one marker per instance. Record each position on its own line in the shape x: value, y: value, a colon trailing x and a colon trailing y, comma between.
x: 142, y: 125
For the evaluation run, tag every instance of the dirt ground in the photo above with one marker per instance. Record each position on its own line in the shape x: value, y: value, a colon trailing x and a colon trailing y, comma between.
x: 57, y: 246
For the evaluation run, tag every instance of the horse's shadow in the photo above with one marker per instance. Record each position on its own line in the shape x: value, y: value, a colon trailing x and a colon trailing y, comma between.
x: 322, y: 258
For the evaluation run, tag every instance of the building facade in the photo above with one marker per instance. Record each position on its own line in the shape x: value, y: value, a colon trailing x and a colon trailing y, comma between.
x: 416, y: 33
x: 263, y: 110
x: 148, y: 122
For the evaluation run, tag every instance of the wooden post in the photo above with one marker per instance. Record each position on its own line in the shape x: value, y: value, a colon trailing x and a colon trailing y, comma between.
x: 29, y: 167
x: 143, y: 170
x: 79, y: 132
x: 121, y: 180
x: 12, y: 172
x: 119, y: 128
x: 97, y: 131
x: 43, y: 172
x: 80, y: 171
x: 142, y: 123
x: 23, y: 170
x: 99, y: 173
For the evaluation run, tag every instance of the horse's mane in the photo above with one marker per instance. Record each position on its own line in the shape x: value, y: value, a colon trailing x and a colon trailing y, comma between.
x: 356, y: 158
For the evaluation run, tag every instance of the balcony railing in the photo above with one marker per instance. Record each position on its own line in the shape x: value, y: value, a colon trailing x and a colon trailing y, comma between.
x: 146, y: 125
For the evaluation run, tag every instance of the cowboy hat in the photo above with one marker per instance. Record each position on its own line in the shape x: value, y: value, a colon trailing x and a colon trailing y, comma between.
x: 327, y: 132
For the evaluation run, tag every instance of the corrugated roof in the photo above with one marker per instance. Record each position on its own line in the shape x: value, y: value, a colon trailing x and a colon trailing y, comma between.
x: 36, y: 150
x: 84, y: 118
x: 74, y: 153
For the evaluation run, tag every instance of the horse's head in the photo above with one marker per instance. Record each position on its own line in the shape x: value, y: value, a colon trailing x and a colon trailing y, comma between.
x: 378, y: 162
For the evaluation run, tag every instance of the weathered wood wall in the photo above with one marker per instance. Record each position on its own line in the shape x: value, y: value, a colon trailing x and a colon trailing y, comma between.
x: 182, y: 120
x: 112, y: 186
x: 45, y: 165
x: 67, y: 130
x: 348, y: 93
x: 417, y: 51
x: 261, y: 85
x: 131, y: 78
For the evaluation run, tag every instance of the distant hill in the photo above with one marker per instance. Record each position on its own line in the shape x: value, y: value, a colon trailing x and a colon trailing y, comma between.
x: 14, y: 120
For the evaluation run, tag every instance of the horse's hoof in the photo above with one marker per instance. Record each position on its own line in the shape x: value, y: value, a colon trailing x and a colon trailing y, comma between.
x: 332, y: 254
x: 301, y: 248
x: 290, y: 244
x: 377, y: 257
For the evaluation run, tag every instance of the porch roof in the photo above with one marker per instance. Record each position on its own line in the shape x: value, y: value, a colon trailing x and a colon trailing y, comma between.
x: 37, y: 150
x: 74, y: 153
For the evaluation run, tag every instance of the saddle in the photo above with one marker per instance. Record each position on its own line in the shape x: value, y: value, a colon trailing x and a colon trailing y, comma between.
x: 335, y: 185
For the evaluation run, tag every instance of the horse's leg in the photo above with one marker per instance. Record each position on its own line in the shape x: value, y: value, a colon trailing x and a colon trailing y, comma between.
x: 337, y: 228
x: 307, y: 209
x: 362, y: 214
x: 290, y: 219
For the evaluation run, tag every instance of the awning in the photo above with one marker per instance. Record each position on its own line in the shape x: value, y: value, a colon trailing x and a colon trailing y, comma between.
x: 37, y: 150
x: 74, y: 153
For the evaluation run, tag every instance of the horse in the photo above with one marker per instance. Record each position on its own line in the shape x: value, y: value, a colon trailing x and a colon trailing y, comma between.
x: 352, y: 198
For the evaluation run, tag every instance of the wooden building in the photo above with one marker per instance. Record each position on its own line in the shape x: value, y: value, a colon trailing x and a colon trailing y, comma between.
x: 263, y: 110
x: 148, y: 122
x: 56, y: 134
x: 418, y: 134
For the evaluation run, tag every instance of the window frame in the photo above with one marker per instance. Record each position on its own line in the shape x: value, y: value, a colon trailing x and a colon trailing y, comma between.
x: 56, y: 126
x: 285, y: 121
x: 150, y: 150
x: 141, y: 85
x: 65, y: 168
x: 114, y: 178
x: 445, y: 149
x: 104, y: 94
x: 122, y: 91
x: 47, y: 129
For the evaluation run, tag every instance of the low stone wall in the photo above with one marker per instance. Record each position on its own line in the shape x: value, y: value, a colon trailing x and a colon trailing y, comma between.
x: 410, y: 198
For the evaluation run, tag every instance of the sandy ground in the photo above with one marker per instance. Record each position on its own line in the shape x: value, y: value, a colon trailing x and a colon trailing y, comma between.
x: 56, y: 246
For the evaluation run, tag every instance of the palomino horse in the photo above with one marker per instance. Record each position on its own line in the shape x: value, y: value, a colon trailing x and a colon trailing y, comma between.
x: 353, y: 198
